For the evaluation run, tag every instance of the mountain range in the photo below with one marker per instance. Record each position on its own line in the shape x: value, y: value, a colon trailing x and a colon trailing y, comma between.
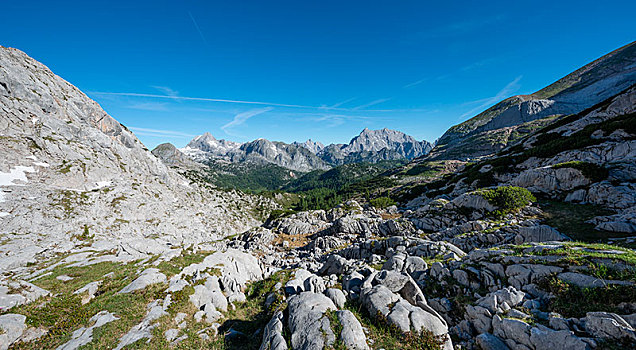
x: 369, y: 146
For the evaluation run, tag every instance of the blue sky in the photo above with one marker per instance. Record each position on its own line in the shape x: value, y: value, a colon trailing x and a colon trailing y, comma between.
x: 293, y: 70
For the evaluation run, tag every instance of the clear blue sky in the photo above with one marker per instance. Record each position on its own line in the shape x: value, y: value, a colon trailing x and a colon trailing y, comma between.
x: 324, y: 69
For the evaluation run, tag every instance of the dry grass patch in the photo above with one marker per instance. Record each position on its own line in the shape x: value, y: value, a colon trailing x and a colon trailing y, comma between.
x: 387, y: 216
x: 295, y: 241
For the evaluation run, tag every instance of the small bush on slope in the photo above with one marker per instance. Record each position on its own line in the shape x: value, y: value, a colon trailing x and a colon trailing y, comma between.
x: 507, y: 199
x: 592, y: 171
x: 382, y: 202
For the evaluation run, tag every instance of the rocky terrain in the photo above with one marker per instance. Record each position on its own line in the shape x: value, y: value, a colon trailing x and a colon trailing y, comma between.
x: 531, y: 248
x: 70, y: 174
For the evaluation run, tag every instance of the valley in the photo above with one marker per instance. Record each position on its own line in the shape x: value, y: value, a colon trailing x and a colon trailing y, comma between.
x: 515, y: 230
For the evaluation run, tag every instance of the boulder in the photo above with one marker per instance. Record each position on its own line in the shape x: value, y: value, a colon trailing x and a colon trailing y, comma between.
x: 544, y: 338
x: 337, y: 296
x: 487, y: 341
x: 307, y: 322
x: 273, y: 334
x: 88, y: 291
x: 608, y: 325
x: 84, y: 335
x: 335, y: 264
x: 13, y: 326
x: 352, y: 334
x: 147, y: 277
x: 586, y: 281
x: 539, y: 233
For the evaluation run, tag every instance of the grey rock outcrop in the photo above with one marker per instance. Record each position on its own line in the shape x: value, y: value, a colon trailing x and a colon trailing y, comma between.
x: 71, y: 170
x: 147, y: 277
x: 310, y: 327
x: 84, y: 335
x: 13, y: 326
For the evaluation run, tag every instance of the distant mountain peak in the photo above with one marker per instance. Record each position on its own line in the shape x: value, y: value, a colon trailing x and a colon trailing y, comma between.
x: 313, y: 146
x: 375, y: 145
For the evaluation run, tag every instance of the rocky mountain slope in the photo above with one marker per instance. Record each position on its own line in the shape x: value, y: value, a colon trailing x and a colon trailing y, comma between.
x: 71, y: 174
x: 504, y: 122
x: 173, y: 157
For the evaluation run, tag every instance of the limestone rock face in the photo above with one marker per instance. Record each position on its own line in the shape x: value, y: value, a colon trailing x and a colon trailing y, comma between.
x: 13, y: 326
x: 68, y: 169
x: 205, y: 148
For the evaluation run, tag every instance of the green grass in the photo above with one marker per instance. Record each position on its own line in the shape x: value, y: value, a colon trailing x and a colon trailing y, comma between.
x: 336, y: 328
x: 250, y: 316
x: 573, y: 301
x: 389, y: 337
x: 382, y: 202
x: 62, y: 313
x: 187, y: 258
x: 569, y: 219
x: 587, y: 255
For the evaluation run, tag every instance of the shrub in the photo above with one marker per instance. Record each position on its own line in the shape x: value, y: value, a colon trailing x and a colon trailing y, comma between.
x: 592, y: 171
x: 507, y: 199
x: 382, y: 202
x: 573, y: 301
x: 279, y: 213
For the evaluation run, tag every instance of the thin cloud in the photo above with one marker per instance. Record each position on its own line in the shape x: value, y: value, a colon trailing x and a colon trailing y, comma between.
x: 159, y: 133
x: 415, y: 83
x: 372, y: 103
x: 196, y: 25
x: 134, y: 94
x: 271, y: 104
x: 166, y: 90
x: 241, y: 118
x: 149, y: 106
x: 505, y: 92
x: 342, y: 102
x: 331, y: 120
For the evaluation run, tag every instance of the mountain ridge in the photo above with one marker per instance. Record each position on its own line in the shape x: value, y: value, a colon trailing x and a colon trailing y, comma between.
x: 368, y: 146
x: 581, y: 89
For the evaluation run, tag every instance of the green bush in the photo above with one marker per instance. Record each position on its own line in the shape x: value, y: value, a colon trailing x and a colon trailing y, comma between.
x: 382, y: 202
x: 318, y: 198
x: 279, y: 213
x: 507, y: 199
x: 573, y: 301
x: 592, y: 171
